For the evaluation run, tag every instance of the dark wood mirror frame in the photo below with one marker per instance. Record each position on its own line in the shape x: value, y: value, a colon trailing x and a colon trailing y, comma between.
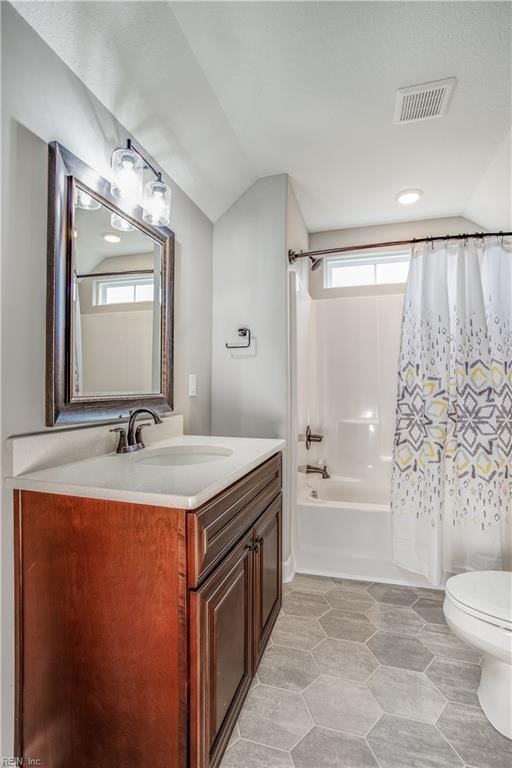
x: 65, y: 169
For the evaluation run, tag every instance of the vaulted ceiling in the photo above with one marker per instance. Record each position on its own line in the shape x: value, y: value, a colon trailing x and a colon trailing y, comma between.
x: 221, y: 93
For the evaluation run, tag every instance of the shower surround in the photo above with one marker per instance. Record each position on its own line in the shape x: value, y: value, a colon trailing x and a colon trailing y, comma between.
x: 347, y: 364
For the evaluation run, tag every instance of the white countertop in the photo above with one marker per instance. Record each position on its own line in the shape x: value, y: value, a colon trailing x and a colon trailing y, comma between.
x: 123, y: 477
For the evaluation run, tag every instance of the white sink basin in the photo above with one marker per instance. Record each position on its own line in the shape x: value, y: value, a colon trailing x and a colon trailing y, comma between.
x: 182, y: 455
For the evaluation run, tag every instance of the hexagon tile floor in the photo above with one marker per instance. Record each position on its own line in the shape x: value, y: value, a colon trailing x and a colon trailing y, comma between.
x: 361, y: 675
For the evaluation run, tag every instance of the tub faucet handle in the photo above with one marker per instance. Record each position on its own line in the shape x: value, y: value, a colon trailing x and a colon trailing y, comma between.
x: 311, y: 437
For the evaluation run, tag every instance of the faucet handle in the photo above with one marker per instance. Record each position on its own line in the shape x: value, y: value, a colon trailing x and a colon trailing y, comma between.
x: 138, y: 433
x: 311, y: 437
x: 122, y: 444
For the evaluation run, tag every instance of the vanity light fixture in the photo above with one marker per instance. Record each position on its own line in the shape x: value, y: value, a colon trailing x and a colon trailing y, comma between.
x: 127, y: 170
x: 85, y: 201
x: 117, y: 222
x: 111, y: 238
x: 409, y: 196
x: 128, y: 167
x: 157, y: 203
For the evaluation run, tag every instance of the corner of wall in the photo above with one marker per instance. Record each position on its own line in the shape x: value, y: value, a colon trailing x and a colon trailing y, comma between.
x: 297, y: 239
x: 491, y: 202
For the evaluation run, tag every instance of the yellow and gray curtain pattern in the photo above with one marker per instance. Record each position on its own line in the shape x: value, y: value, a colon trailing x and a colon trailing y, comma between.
x: 452, y: 463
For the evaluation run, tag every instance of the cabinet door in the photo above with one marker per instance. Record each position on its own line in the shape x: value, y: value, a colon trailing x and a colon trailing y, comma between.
x: 267, y: 576
x: 220, y: 653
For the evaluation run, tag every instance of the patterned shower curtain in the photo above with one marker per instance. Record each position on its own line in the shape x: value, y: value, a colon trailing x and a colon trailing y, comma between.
x: 452, y: 461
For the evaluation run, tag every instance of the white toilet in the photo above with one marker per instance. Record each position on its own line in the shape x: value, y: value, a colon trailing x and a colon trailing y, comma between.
x: 478, y: 608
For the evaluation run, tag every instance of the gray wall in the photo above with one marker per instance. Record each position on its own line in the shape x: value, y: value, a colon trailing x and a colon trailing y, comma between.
x: 42, y: 100
x: 250, y: 389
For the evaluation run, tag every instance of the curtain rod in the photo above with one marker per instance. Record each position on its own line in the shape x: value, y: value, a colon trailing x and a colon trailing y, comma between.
x: 313, y: 255
x: 116, y: 274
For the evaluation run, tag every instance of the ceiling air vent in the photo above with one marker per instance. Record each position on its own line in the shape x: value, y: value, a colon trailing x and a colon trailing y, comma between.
x: 424, y: 101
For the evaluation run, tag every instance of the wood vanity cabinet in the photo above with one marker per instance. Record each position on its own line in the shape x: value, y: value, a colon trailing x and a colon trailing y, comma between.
x: 139, y: 628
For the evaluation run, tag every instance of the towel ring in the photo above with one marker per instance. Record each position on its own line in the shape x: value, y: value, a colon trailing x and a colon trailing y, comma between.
x: 245, y: 333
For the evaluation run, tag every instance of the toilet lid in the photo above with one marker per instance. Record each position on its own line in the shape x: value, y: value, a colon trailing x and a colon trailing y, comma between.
x: 488, y: 592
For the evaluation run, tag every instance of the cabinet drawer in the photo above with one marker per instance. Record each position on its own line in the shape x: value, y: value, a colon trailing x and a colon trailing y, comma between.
x: 215, y: 528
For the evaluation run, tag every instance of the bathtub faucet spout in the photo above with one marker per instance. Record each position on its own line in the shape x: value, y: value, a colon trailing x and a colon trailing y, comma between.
x: 319, y: 470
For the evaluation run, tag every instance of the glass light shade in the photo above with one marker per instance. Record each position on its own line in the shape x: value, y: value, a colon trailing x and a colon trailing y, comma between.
x: 117, y: 222
x: 157, y: 203
x: 127, y: 170
x: 85, y: 201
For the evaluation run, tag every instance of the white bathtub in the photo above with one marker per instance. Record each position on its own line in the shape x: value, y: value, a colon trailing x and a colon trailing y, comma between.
x: 346, y: 532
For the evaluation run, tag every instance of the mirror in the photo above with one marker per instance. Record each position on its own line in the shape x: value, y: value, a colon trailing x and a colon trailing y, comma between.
x: 116, y: 307
x: 110, y: 285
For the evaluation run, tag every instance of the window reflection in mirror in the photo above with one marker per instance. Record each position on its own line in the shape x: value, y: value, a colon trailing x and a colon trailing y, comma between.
x: 116, y: 309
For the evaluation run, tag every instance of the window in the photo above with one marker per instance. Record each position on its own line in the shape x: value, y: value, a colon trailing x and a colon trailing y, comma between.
x: 124, y: 290
x: 378, y: 268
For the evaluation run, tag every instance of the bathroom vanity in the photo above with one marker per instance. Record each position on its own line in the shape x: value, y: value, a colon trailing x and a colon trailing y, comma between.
x: 147, y: 580
x: 142, y: 614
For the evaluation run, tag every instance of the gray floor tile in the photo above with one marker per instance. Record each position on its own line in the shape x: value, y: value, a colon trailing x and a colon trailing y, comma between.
x: 433, y: 594
x: 274, y: 717
x: 330, y: 749
x: 352, y: 583
x: 305, y: 604
x: 400, y: 651
x: 474, y: 738
x: 345, y: 598
x: 304, y: 582
x: 341, y: 658
x: 346, y: 625
x: 234, y: 736
x: 285, y: 669
x: 342, y: 705
x: 402, y: 692
x: 245, y: 754
x: 297, y: 632
x: 401, y: 743
x: 430, y: 610
x: 394, y: 595
x: 439, y: 639
x: 396, y: 619
x: 457, y: 680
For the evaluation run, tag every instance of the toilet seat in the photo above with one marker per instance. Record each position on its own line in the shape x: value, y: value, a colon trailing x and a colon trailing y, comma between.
x: 486, y: 595
x: 483, y: 617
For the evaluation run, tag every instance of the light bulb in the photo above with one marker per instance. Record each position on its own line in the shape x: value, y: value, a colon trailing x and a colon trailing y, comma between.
x: 111, y: 238
x: 157, y: 203
x: 127, y: 170
x: 409, y: 196
x: 85, y: 201
x: 117, y: 222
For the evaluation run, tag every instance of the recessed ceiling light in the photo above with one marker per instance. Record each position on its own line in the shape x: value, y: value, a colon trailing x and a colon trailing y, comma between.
x: 110, y: 238
x: 409, y: 196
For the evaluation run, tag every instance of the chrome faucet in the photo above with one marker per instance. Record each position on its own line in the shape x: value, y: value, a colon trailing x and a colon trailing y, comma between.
x: 319, y: 470
x: 133, y: 440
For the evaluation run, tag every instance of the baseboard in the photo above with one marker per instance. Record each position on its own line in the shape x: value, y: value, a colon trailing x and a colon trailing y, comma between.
x: 288, y: 569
